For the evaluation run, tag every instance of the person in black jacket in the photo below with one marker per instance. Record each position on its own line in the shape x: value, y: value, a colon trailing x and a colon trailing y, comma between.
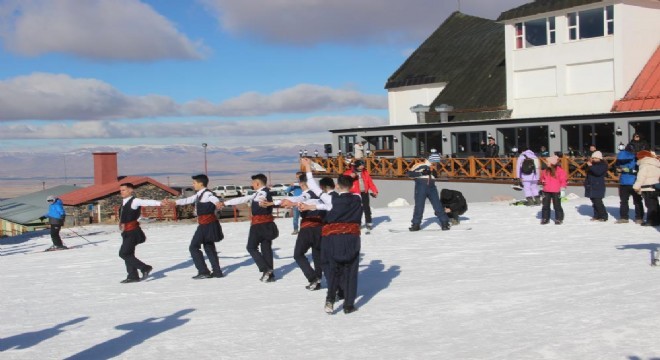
x: 490, y: 150
x: 454, y: 204
x: 638, y: 144
x: 594, y: 185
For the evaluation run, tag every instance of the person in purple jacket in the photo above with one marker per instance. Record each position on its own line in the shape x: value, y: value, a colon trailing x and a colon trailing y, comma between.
x: 528, y: 171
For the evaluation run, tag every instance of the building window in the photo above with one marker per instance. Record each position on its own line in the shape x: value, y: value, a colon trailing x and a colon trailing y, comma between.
x: 465, y: 144
x: 577, y: 138
x: 535, y: 33
x: 346, y: 143
x: 591, y: 23
x: 649, y: 131
x: 419, y: 144
x: 523, y: 138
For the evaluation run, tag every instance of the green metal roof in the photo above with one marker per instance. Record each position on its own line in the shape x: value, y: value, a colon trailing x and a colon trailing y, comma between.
x: 542, y: 6
x: 28, y: 208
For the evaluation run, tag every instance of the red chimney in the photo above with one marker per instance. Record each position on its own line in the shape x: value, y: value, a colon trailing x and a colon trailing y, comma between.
x: 105, y: 168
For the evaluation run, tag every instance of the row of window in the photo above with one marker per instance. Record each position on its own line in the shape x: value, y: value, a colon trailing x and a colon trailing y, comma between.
x: 584, y: 24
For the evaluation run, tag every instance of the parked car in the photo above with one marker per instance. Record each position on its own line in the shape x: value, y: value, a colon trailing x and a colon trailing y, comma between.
x: 279, y: 188
x: 184, y: 191
x: 245, y: 190
x: 227, y: 212
x: 225, y: 191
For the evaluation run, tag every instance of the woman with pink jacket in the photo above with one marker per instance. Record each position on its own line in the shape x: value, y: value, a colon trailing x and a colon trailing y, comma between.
x: 554, y: 180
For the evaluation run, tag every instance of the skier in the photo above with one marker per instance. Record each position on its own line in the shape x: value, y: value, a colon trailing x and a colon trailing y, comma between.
x: 262, y: 229
x: 208, y: 230
x: 554, y: 180
x: 55, y: 216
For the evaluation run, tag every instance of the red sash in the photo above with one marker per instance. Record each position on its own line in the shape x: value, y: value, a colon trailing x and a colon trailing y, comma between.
x: 341, y: 229
x: 206, y: 219
x: 261, y: 219
x: 311, y: 221
x: 129, y: 226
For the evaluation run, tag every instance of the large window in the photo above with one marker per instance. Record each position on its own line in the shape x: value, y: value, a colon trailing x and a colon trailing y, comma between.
x: 419, y: 144
x: 535, y: 33
x: 346, y: 143
x: 467, y: 143
x: 382, y: 145
x: 649, y: 131
x: 591, y: 23
x: 523, y: 138
x: 577, y: 138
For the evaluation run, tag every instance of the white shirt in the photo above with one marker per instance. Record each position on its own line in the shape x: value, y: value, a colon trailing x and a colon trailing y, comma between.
x: 305, y: 196
x: 140, y: 202
x: 259, y: 195
x: 207, y: 197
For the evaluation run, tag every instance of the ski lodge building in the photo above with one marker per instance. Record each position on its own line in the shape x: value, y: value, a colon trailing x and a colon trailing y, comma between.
x: 563, y: 74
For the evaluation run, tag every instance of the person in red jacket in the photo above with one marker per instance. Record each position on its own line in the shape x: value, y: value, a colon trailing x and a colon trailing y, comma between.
x: 364, y: 186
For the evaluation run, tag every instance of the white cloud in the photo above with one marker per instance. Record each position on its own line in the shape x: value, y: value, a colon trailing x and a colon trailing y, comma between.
x: 94, y: 29
x: 307, y: 22
x: 59, y: 97
x: 298, y: 99
x: 43, y: 96
x: 229, y: 133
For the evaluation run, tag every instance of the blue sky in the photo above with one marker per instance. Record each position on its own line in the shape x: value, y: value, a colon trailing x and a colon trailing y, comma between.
x: 226, y: 72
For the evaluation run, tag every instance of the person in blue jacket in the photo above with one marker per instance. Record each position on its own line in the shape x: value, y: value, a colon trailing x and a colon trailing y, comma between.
x: 626, y: 166
x: 295, y: 190
x: 55, y: 217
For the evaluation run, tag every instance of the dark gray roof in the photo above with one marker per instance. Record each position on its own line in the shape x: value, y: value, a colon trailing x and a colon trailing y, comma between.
x: 542, y: 6
x: 467, y: 52
x: 28, y: 208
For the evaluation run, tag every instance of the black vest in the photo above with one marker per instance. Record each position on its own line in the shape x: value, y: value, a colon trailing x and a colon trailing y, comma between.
x: 346, y: 208
x: 128, y: 214
x: 204, y: 208
x: 258, y: 210
x: 312, y: 213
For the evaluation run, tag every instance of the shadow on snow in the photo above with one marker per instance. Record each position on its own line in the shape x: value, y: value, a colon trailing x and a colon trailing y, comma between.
x: 32, y: 338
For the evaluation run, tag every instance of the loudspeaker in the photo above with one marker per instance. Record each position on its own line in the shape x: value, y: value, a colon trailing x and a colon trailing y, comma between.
x: 327, y: 148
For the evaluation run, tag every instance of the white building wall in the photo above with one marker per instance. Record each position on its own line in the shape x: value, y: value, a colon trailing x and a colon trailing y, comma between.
x: 584, y: 76
x: 400, y: 100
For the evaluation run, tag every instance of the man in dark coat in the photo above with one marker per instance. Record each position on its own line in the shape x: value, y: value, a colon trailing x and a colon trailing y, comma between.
x: 491, y: 150
x: 638, y: 144
x: 454, y: 203
x: 594, y: 185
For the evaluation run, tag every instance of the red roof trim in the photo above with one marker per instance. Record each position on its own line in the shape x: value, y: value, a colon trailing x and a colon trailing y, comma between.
x: 644, y: 94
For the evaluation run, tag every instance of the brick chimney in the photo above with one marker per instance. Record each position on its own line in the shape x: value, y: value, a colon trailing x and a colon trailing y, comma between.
x: 105, y: 167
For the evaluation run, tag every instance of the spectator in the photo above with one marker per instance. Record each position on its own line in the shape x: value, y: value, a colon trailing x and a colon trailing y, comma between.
x: 638, y: 144
x: 454, y: 203
x: 646, y: 183
x: 594, y: 185
x: 554, y: 180
x: 295, y: 190
x: 358, y: 150
x: 592, y: 149
x: 544, y: 152
x: 434, y: 158
x: 626, y: 166
x: 363, y: 186
x: 528, y: 171
x: 490, y: 150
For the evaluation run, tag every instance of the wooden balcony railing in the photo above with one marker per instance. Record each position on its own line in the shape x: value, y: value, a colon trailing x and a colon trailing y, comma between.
x: 501, y: 169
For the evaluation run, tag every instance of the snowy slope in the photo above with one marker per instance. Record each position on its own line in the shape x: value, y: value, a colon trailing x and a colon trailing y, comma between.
x: 507, y: 289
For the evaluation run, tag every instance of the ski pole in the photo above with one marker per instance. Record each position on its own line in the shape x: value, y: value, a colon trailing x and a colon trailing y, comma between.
x: 82, y: 237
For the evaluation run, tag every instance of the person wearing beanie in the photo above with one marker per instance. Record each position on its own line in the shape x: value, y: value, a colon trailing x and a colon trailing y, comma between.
x: 645, y: 184
x: 55, y: 216
x: 434, y: 157
x: 554, y: 180
x: 626, y: 166
x: 594, y: 185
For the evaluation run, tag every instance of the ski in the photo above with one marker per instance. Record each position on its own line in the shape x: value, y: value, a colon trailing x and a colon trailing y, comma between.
x: 423, y: 230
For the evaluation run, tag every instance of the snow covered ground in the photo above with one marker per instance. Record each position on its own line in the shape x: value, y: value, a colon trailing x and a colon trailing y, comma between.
x: 508, y: 288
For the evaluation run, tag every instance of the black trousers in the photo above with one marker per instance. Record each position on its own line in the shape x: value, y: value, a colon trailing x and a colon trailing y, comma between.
x: 625, y: 192
x: 366, y: 208
x: 556, y: 204
x: 651, y: 201
x: 309, y: 237
x: 55, y: 234
x: 599, y: 208
x: 260, y: 244
x: 341, y: 256
x: 205, y: 236
x: 129, y: 240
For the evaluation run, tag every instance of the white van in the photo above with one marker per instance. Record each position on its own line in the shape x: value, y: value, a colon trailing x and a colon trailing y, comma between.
x: 225, y: 191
